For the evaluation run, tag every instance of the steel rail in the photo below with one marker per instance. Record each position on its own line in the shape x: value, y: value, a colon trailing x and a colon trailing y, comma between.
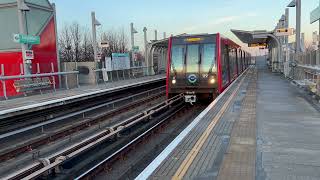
x: 6, y: 135
x: 125, y: 146
x: 74, y: 128
x: 88, y: 143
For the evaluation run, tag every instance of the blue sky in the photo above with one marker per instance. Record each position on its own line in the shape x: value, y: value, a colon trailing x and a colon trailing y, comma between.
x: 183, y: 16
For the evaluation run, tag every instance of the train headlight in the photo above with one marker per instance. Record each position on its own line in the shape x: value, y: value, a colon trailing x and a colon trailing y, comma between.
x: 174, y: 81
x: 212, y: 80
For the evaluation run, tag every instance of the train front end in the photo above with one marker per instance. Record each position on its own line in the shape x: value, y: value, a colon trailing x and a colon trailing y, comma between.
x: 192, y: 67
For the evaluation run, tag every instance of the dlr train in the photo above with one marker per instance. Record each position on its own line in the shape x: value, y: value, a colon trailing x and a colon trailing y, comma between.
x: 203, y: 66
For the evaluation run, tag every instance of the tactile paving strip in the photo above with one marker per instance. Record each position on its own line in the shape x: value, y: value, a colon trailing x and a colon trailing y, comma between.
x: 239, y: 160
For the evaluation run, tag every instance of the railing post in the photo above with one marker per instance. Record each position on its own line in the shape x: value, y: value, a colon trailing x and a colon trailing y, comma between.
x: 38, y: 68
x: 66, y: 76
x: 117, y: 75
x: 53, y: 78
x: 96, y: 76
x: 21, y: 69
x: 77, y: 75
x: 3, y: 83
x: 38, y: 72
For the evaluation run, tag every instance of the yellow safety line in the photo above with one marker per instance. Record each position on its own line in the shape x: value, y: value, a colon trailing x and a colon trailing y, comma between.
x: 196, y: 148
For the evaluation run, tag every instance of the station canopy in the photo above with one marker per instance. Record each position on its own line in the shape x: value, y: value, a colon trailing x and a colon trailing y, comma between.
x: 251, y: 37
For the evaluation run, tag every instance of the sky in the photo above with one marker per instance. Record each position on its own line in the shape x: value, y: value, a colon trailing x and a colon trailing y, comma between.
x: 183, y: 16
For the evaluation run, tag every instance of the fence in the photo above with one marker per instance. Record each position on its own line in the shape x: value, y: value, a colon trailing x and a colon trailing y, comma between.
x: 44, y: 76
x: 305, y: 70
x: 105, y: 76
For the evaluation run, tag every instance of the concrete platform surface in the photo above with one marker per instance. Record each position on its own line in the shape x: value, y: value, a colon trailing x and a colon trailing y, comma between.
x: 288, y: 127
x: 61, y: 96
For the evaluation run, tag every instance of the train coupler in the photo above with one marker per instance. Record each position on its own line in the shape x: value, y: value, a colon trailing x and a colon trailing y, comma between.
x: 190, y: 99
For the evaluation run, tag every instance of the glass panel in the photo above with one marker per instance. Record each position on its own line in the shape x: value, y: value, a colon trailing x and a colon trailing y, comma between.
x: 192, y: 59
x: 239, y: 61
x: 208, y: 58
x: 177, y: 58
x: 225, y: 66
x: 9, y: 26
x: 36, y: 20
x: 39, y: 2
x: 233, y: 63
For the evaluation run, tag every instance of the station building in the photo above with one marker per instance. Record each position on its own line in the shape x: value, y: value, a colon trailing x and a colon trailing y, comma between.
x: 39, y: 20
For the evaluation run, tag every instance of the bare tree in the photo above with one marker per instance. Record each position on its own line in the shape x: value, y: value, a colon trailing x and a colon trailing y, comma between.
x: 87, y: 47
x: 76, y: 35
x: 117, y: 40
x: 75, y: 43
x: 65, y: 44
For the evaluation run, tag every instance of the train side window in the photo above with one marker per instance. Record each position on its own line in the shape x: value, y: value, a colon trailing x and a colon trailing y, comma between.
x: 177, y: 58
x: 225, y: 66
x: 208, y: 62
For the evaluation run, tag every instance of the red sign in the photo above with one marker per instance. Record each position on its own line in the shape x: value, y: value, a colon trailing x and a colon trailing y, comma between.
x: 28, y: 54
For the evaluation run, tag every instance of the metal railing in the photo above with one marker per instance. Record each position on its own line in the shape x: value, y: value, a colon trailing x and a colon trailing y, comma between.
x: 305, y: 70
x: 38, y: 74
x: 105, y: 76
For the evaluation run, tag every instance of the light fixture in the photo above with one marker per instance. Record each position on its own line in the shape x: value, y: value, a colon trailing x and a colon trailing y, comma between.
x: 292, y: 4
x: 174, y: 81
x: 212, y: 80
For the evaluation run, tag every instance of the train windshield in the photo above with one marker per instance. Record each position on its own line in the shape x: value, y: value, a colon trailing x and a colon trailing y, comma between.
x: 192, y: 58
x: 208, y: 62
x: 177, y: 58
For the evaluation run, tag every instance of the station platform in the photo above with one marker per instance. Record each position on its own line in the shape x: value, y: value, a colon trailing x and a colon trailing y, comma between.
x: 259, y: 128
x: 32, y: 103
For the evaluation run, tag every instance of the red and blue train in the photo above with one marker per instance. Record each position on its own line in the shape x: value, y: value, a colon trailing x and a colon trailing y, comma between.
x: 203, y: 65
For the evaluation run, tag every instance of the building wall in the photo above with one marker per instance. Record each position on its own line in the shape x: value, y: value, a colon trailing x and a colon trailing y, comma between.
x: 45, y: 53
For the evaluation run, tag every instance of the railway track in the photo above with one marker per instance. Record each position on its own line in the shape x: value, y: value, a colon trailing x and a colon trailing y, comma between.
x: 12, y: 123
x: 129, y: 130
x: 70, y: 123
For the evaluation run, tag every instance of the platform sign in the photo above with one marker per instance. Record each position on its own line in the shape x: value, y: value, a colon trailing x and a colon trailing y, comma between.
x: 284, y: 32
x: 120, y: 61
x: 98, y: 56
x: 257, y: 45
x: 104, y: 44
x: 26, y: 39
x: 315, y: 15
x: 135, y: 48
x: 28, y: 54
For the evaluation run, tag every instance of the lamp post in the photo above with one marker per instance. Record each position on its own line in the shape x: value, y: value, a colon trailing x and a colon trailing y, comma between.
x: 22, y: 8
x: 133, y: 31
x: 95, y: 23
x: 297, y: 4
x: 146, y: 49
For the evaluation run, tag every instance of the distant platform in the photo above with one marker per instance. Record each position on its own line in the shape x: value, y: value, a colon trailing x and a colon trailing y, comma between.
x: 31, y: 103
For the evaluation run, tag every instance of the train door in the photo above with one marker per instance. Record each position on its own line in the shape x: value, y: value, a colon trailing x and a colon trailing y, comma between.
x: 225, y: 66
x: 192, y: 64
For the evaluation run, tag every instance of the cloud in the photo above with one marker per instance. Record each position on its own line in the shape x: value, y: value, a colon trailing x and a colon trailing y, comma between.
x: 225, y: 19
x: 218, y: 21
